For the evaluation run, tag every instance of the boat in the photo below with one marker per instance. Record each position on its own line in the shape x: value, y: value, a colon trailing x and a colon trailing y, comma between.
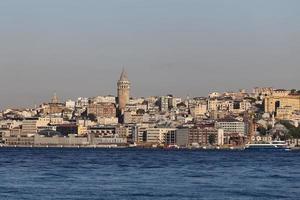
x: 271, y: 146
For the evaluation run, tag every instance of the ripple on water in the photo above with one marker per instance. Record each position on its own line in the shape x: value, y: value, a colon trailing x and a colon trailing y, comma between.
x: 147, y: 174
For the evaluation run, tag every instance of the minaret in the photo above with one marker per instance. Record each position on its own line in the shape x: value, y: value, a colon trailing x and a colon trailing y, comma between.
x: 123, y: 91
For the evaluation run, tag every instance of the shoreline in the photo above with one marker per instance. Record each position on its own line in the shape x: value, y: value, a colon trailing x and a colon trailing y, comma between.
x: 127, y: 147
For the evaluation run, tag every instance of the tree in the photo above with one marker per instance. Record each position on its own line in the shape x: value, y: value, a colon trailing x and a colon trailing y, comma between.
x: 140, y: 111
x: 92, y: 117
x: 293, y: 132
x: 212, y: 139
x: 262, y: 130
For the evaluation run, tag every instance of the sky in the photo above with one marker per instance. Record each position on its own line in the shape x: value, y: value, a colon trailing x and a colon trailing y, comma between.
x: 181, y: 47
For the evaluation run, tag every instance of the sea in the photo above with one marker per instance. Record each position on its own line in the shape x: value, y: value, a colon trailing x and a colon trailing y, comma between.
x: 67, y: 173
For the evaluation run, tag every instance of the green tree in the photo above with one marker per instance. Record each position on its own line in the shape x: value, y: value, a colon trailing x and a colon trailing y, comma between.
x: 140, y: 111
x: 262, y: 130
x: 92, y: 117
x: 212, y: 139
x: 293, y: 132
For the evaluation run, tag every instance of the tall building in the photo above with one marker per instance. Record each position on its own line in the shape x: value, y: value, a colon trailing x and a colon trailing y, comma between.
x: 123, y: 91
x: 164, y: 103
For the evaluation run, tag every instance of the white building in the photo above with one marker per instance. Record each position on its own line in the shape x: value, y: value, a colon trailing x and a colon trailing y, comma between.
x: 157, y: 135
x: 220, y: 139
x: 70, y: 104
x: 231, y: 126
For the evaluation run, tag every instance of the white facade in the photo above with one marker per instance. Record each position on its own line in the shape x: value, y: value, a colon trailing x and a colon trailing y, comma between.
x: 220, y: 139
x: 231, y: 126
x: 70, y: 104
x: 107, y: 121
x: 157, y: 135
x: 104, y: 99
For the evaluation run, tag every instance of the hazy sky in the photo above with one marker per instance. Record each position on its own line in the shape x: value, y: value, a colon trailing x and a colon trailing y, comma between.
x: 78, y: 48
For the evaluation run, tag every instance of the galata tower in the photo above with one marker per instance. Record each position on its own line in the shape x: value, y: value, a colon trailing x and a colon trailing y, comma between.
x: 123, y: 91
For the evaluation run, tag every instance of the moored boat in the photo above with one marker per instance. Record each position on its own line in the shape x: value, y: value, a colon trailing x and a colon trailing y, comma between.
x: 271, y: 146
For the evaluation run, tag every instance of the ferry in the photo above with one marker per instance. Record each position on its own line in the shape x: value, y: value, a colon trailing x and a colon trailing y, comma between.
x: 271, y: 146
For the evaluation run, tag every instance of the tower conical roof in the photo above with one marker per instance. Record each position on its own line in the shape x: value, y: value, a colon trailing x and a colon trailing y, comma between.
x: 54, y: 98
x: 124, y: 76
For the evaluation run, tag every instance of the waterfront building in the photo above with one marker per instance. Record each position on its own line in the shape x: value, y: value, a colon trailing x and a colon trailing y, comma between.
x: 141, y: 133
x: 220, y: 137
x: 200, y: 135
x: 16, y: 137
x: 182, y: 137
x: 56, y: 140
x: 66, y: 129
x: 157, y: 135
x: 29, y: 125
x: 102, y: 130
x: 170, y: 138
x: 107, y: 140
x: 122, y: 131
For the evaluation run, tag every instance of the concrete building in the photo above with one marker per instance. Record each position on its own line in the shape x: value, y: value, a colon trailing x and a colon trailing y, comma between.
x: 70, y: 140
x: 67, y: 129
x: 266, y: 91
x: 29, y: 126
x: 230, y: 125
x: 182, y: 137
x: 70, y: 104
x: 103, y: 99
x: 107, y: 140
x: 141, y: 133
x: 164, y: 103
x: 157, y: 135
x: 198, y: 110
x: 282, y: 104
x: 107, y: 120
x: 102, y: 110
x: 132, y: 118
x: 199, y: 135
x: 170, y: 138
x: 220, y: 137
x: 16, y: 137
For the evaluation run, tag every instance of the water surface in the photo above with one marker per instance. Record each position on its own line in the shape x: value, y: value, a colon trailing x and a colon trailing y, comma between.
x: 29, y: 173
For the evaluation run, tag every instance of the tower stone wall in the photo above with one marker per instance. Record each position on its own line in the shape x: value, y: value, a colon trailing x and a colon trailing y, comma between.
x: 123, y: 91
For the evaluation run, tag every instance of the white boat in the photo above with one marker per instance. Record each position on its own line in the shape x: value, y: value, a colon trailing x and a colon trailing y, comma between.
x: 272, y: 146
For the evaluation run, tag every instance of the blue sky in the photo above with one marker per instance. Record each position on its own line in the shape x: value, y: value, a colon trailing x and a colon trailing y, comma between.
x: 184, y: 47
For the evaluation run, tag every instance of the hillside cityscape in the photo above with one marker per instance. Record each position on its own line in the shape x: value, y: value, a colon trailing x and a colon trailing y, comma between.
x: 220, y: 120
